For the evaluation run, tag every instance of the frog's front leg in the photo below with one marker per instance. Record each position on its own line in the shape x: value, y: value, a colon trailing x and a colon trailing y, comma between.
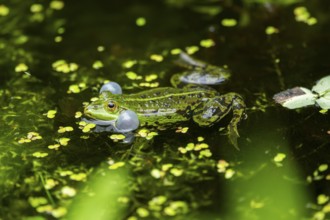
x: 209, y: 113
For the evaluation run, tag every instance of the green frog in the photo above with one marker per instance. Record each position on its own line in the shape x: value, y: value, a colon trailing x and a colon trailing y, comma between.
x: 167, y: 107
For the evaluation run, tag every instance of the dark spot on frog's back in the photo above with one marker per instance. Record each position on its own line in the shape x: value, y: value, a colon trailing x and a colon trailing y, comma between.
x: 166, y: 105
x: 143, y: 96
x: 188, y: 111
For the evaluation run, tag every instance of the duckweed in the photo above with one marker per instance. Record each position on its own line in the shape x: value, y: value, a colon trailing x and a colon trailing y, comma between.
x: 166, y: 167
x: 116, y: 165
x: 87, y: 127
x: 22, y: 67
x: 229, y: 173
x: 318, y: 174
x: 59, y: 212
x: 200, y: 146
x: 323, y: 167
x: 31, y: 136
x: 54, y: 146
x: 63, y: 66
x: 271, y: 30
x: 51, y: 113
x: 279, y: 157
x: 97, y: 64
x: 205, y: 153
x: 78, y: 176
x: 176, y: 171
x: 141, y: 21
x: 58, y: 39
x: 156, y: 204
x: 150, y: 85
x: 64, y: 141
x: 4, y: 10
x: 37, y: 201
x: 156, y: 57
x: 100, y: 48
x: 129, y: 63
x: 156, y: 173
x: 56, y: 5
x: 182, y: 150
x: 229, y: 22
x: 40, y: 154
x: 192, y: 49
x: 50, y: 183
x: 151, y: 77
x: 94, y: 99
x: 65, y: 172
x: 190, y: 146
x: 117, y: 137
x: 207, y: 43
x: 133, y: 76
x: 142, y: 212
x: 175, y: 51
x: 200, y: 139
x: 145, y: 133
x: 323, y: 111
x: 45, y: 208
x: 62, y: 129
x: 182, y: 130
x: 302, y: 15
x: 76, y: 88
x: 68, y: 191
x: 82, y: 123
x: 176, y: 208
x: 78, y: 115
x: 322, y: 199
x: 222, y: 166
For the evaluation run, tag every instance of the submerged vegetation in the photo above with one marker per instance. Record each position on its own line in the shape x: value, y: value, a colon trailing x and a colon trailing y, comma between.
x: 55, y: 56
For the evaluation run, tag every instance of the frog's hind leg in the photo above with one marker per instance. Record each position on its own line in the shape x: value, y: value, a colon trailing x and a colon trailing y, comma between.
x: 217, y: 108
x: 188, y: 62
x: 238, y: 108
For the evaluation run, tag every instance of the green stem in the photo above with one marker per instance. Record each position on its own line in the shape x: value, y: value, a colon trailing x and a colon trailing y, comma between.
x: 50, y: 198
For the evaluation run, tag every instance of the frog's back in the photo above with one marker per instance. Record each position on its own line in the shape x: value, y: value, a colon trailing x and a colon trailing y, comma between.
x: 168, y: 97
x: 166, y: 105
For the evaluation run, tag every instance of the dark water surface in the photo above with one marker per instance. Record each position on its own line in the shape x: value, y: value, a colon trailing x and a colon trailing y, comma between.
x: 280, y: 172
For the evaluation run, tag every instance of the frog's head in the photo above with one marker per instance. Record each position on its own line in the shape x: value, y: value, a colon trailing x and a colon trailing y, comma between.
x: 102, y: 110
x: 106, y: 108
x: 110, y: 112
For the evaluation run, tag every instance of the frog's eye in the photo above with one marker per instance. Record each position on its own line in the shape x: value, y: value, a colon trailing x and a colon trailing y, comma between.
x: 111, y: 105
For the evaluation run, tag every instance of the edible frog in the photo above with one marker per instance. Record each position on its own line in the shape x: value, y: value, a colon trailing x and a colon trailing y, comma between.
x: 166, y: 107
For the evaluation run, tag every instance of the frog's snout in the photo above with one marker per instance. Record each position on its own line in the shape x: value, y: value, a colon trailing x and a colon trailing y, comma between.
x: 89, y: 109
x: 97, y: 111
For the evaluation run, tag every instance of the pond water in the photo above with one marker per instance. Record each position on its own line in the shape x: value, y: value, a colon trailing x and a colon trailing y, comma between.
x: 55, y: 56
